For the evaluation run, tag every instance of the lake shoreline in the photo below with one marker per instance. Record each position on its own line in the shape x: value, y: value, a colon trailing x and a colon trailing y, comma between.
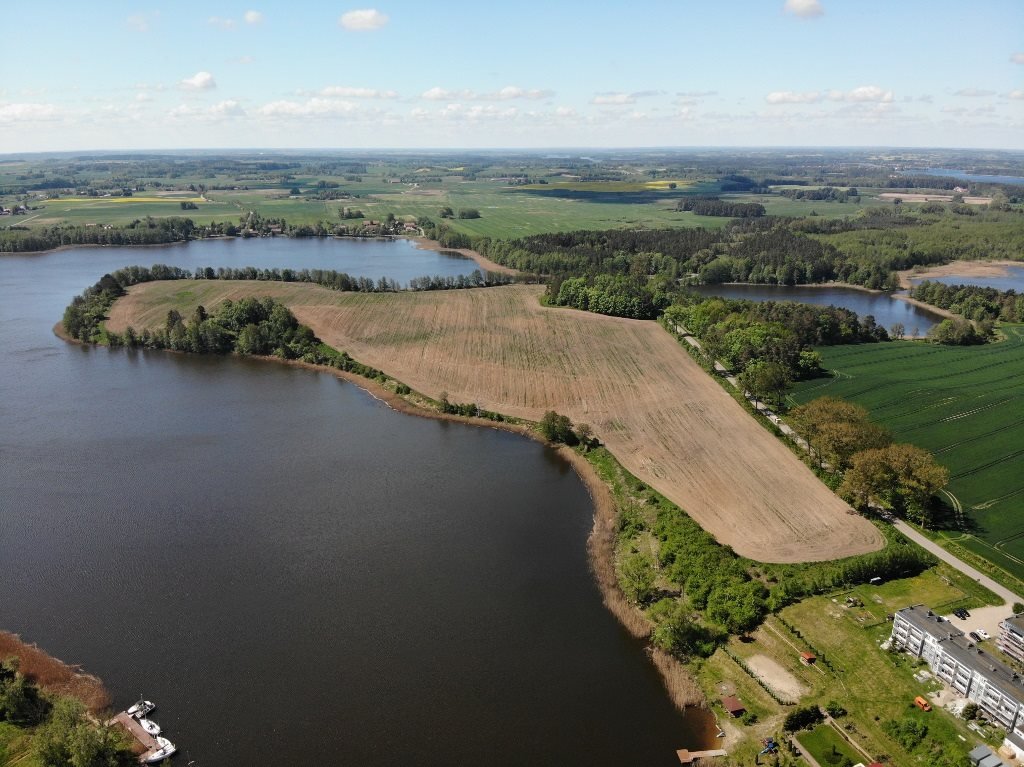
x: 54, y: 675
x: 677, y: 679
x: 997, y: 268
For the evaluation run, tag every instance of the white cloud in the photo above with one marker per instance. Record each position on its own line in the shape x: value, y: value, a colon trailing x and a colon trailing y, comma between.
x: 973, y: 93
x: 617, y: 99
x: 200, y: 81
x: 1016, y: 95
x: 229, y: 108
x: 253, y: 17
x: 243, y: 60
x: 11, y: 113
x: 348, y: 92
x: 792, y: 97
x: 137, y: 22
x: 314, y: 107
x: 565, y: 112
x: 805, y: 9
x: 696, y: 94
x: 507, y: 93
x: 863, y: 93
x: 217, y: 21
x: 143, y: 97
x: 1017, y: 58
x: 363, y: 20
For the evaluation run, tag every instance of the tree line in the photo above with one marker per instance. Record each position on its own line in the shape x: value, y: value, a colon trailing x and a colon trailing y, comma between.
x: 873, y: 471
x: 715, y: 206
x: 973, y: 302
x: 769, y: 344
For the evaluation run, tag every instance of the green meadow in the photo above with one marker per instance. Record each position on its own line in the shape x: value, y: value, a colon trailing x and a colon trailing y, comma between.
x: 966, y: 405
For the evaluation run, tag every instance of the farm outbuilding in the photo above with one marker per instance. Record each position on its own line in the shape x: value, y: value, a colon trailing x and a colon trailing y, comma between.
x: 808, y: 658
x: 733, y: 706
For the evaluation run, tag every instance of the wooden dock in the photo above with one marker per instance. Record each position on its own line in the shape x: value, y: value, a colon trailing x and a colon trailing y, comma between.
x: 687, y: 757
x: 147, y: 741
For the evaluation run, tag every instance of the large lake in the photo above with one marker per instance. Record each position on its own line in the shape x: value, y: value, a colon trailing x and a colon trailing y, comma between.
x: 965, y: 175
x: 885, y: 308
x: 295, y: 573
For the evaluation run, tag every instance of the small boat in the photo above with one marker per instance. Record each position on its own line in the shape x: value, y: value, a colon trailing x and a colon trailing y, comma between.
x: 141, y: 708
x: 149, y: 726
x: 166, y: 750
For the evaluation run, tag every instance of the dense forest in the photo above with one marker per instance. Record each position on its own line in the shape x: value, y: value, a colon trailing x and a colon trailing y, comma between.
x: 715, y: 206
x: 974, y: 302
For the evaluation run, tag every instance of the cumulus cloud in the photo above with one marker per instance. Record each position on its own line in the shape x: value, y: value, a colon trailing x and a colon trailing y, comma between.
x: 217, y: 21
x: 696, y: 94
x: 253, y: 17
x: 507, y: 93
x: 805, y: 9
x: 12, y: 113
x: 863, y: 93
x: 314, y: 107
x: 143, y: 97
x: 221, y: 111
x: 619, y: 98
x: 1016, y: 95
x: 348, y: 92
x: 973, y: 93
x: 792, y: 97
x: 200, y: 81
x: 363, y: 20
x: 1017, y: 58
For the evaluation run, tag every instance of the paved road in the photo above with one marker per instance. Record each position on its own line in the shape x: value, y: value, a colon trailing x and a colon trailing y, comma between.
x: 959, y: 564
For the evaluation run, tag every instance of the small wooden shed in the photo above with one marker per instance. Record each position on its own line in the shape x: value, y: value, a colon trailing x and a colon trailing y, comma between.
x: 733, y: 706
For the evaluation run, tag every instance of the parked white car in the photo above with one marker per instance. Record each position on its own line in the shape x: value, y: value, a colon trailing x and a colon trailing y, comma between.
x: 982, y: 633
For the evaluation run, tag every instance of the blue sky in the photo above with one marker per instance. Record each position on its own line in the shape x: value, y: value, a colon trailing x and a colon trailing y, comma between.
x: 114, y: 75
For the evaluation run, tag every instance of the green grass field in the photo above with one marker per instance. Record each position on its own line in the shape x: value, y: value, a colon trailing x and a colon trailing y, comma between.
x: 966, y: 405
x: 873, y: 685
x: 827, y: 746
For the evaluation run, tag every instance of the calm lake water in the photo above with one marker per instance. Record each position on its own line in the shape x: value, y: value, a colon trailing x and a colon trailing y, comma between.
x: 886, y: 309
x: 295, y: 573
x: 1013, y: 280
x: 955, y: 173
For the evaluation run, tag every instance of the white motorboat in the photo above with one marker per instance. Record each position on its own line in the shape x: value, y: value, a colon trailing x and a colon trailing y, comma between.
x: 166, y: 749
x: 141, y: 708
x: 149, y: 726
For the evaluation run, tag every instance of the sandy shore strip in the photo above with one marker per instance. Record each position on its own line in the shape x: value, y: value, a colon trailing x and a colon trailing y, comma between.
x: 482, y: 261
x: 958, y: 269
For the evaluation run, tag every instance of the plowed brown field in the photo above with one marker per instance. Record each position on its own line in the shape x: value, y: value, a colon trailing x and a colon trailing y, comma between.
x: 661, y: 415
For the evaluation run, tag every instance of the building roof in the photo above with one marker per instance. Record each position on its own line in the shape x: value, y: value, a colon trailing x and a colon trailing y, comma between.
x: 991, y: 761
x: 997, y: 673
x: 732, y: 704
x: 808, y: 656
x: 922, y: 618
x: 979, y: 752
x: 1014, y: 623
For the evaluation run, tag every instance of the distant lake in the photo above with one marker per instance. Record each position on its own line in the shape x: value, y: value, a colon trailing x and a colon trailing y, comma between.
x: 954, y: 173
x: 292, y: 571
x: 886, y: 309
x: 1014, y: 280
